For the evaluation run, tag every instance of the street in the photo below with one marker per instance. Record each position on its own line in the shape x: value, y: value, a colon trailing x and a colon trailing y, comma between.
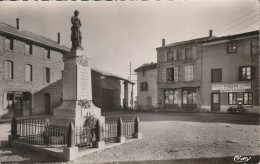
x: 167, y: 137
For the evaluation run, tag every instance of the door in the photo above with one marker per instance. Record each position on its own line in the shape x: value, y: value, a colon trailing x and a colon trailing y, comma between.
x: 215, y: 102
x: 47, y: 103
x: 149, y: 102
x: 107, y: 99
x: 18, y: 106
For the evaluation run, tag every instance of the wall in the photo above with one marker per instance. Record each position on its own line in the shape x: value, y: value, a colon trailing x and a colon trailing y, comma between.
x: 151, y: 79
x: 37, y: 87
x: 163, y: 64
x: 215, y: 56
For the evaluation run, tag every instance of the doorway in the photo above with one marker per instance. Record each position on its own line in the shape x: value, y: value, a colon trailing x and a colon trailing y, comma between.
x: 189, y: 99
x: 215, y: 101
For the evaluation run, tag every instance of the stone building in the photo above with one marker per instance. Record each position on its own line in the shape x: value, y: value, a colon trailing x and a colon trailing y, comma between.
x: 230, y: 72
x: 110, y: 92
x: 31, y: 68
x: 179, y: 74
x: 147, y: 87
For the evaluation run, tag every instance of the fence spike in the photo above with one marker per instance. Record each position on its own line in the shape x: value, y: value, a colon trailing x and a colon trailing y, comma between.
x: 71, y: 135
x: 137, y: 124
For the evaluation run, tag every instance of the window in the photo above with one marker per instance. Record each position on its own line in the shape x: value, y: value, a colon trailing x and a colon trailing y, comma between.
x: 144, y: 86
x: 28, y: 48
x: 10, y: 100
x: 232, y: 47
x: 246, y: 73
x: 188, y: 53
x: 47, y: 54
x: 170, y: 97
x: 26, y: 100
x: 47, y: 75
x: 179, y: 54
x: 143, y: 73
x: 9, y: 70
x: 170, y: 56
x: 172, y: 74
x: 188, y: 73
x: 28, y: 72
x: 248, y: 98
x: 232, y: 98
x: 9, y: 44
x: 216, y: 75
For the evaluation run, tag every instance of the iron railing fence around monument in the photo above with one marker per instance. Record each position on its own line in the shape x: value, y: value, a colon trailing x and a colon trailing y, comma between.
x: 84, y: 137
x: 36, y: 131
x: 111, y: 128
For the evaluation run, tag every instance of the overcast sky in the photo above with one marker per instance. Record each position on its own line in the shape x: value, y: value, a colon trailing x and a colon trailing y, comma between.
x: 116, y: 33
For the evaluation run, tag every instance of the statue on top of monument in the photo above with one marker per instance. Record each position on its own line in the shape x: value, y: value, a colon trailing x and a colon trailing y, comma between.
x: 75, y: 31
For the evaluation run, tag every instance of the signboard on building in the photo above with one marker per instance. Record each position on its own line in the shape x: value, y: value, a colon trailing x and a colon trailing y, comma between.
x: 234, y: 87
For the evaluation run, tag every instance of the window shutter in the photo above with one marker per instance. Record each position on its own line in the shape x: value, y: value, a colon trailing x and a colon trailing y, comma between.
x: 240, y: 74
x: 5, y: 100
x: 175, y: 73
x: 183, y: 53
x: 164, y: 74
x: 174, y: 54
x: 253, y: 72
x: 194, y: 55
x: 165, y: 56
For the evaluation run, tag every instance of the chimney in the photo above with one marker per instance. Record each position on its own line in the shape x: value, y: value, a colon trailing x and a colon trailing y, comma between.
x: 210, y: 33
x: 59, y: 37
x: 163, y: 42
x: 17, y: 23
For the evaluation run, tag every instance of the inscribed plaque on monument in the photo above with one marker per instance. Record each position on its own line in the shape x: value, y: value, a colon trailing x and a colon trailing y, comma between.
x: 82, y: 82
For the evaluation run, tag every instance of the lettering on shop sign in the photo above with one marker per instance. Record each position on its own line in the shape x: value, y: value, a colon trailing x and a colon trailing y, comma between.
x: 239, y: 87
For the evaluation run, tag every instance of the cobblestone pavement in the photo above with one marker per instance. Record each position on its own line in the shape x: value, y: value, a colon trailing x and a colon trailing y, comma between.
x: 169, y: 137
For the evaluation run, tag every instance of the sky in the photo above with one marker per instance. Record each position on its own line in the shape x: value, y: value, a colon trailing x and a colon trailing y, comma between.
x: 117, y: 33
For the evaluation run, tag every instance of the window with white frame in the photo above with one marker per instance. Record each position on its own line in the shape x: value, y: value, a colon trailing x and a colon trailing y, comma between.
x: 246, y: 73
x: 232, y: 98
x: 172, y: 74
x: 9, y: 70
x: 188, y: 73
x: 232, y: 47
x: 28, y: 72
x: 248, y: 98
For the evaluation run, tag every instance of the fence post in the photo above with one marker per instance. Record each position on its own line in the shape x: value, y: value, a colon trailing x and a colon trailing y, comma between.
x: 71, y: 151
x: 120, y: 131
x: 14, y: 128
x: 99, y: 129
x: 71, y: 135
x: 137, y: 133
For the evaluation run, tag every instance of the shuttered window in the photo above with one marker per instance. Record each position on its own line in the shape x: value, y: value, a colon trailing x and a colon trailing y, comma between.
x: 170, y: 55
x: 216, y: 75
x: 188, y: 53
x: 179, y: 55
x: 9, y: 70
x: 188, y: 73
x: 28, y: 72
x: 248, y: 98
x: 172, y: 74
x: 144, y: 86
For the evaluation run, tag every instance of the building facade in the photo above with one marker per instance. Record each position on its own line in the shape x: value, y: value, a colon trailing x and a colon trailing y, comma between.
x: 31, y: 68
x: 109, y: 91
x: 179, y: 75
x: 147, y: 87
x: 230, y: 72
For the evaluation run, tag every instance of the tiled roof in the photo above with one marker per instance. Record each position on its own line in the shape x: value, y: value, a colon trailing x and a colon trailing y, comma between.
x: 29, y: 36
x: 146, y: 66
x: 108, y: 74
x: 233, y: 36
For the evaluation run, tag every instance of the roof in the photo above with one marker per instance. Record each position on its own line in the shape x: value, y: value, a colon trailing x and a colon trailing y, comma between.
x: 29, y: 36
x: 108, y: 74
x: 197, y: 40
x: 233, y: 36
x: 146, y: 66
x: 210, y: 39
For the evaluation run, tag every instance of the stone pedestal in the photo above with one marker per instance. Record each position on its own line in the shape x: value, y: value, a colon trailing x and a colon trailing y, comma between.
x: 77, y: 92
